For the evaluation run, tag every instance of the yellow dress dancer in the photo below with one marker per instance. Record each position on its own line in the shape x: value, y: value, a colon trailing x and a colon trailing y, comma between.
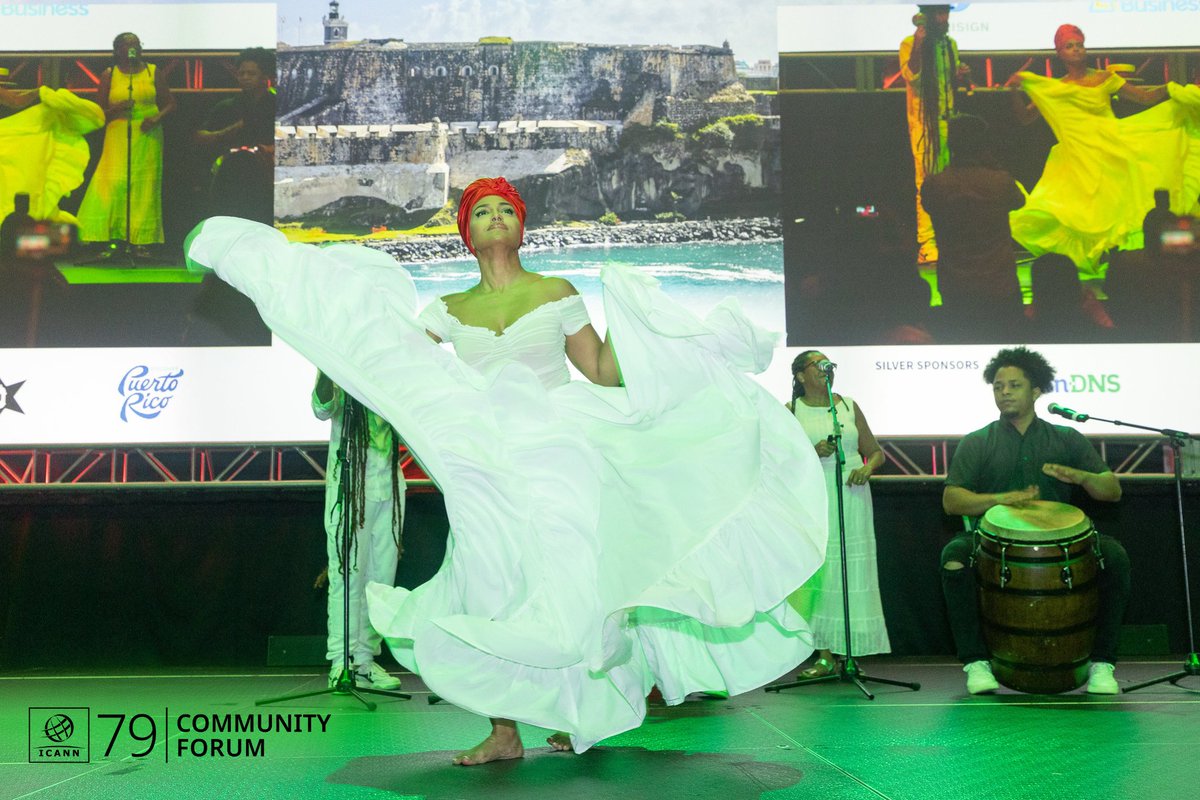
x: 43, y: 152
x: 102, y: 215
x: 1099, y: 180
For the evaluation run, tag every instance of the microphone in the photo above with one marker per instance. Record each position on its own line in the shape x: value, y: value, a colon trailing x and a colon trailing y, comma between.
x: 826, y: 367
x: 1069, y: 413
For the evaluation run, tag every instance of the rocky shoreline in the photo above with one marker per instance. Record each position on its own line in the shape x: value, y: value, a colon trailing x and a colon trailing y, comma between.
x: 754, y: 229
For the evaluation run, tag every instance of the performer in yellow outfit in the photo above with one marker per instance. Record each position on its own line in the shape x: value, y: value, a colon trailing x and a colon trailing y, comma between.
x: 131, y: 91
x: 1099, y: 180
x: 42, y: 150
x: 930, y: 66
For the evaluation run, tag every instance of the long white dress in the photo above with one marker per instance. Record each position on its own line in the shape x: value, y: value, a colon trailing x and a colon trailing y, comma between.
x: 820, y: 599
x: 603, y: 540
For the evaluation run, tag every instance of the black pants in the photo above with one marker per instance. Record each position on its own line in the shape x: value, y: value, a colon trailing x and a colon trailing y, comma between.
x: 962, y: 599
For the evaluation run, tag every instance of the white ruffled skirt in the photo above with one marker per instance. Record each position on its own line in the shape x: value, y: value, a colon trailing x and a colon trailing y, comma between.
x: 603, y: 540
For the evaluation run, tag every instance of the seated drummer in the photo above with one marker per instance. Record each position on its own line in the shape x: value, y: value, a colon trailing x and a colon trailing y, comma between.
x: 1012, y: 461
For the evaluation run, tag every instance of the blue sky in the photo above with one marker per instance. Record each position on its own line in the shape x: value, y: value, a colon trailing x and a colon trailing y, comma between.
x: 748, y: 25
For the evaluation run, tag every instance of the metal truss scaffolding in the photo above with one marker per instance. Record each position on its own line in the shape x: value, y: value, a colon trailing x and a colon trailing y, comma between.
x: 184, y: 465
x: 264, y: 465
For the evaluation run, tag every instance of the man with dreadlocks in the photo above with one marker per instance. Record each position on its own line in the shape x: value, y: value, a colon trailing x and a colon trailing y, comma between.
x: 930, y: 66
x: 376, y: 509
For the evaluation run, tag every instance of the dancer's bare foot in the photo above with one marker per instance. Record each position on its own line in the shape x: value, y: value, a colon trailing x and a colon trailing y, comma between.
x: 560, y: 741
x: 502, y: 743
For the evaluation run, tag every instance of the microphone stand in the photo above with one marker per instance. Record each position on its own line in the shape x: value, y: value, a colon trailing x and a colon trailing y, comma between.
x: 345, y: 683
x: 850, y: 670
x: 1177, y: 440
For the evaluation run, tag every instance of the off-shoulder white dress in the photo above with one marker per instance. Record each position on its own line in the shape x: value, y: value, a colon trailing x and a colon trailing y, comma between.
x: 603, y: 540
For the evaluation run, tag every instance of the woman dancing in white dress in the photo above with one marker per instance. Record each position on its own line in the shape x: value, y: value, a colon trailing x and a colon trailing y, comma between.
x: 603, y: 539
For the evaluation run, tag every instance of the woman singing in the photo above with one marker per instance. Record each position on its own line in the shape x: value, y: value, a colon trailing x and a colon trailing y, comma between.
x: 605, y: 539
x: 820, y: 599
x: 135, y: 98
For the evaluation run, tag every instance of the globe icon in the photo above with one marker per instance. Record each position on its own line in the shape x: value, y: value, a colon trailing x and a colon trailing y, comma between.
x: 59, y: 728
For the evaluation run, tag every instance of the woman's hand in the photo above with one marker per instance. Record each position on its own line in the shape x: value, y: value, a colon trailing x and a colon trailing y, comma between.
x: 150, y: 123
x: 860, y: 476
x: 120, y: 109
x: 824, y: 448
x: 1014, y: 80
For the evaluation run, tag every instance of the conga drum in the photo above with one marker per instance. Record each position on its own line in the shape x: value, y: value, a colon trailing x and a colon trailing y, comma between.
x: 1038, y: 568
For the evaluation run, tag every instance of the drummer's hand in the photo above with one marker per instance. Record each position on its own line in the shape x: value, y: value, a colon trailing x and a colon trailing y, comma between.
x: 1065, y: 474
x: 824, y: 448
x: 860, y: 476
x: 1018, y: 497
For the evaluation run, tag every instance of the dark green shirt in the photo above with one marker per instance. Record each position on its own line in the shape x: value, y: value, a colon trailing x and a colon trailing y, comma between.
x: 257, y: 116
x: 996, y: 458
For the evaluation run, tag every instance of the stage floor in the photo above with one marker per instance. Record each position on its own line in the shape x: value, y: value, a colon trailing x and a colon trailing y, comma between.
x: 825, y: 741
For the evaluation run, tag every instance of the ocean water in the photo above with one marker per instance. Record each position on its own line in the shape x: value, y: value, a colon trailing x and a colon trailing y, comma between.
x: 696, y: 274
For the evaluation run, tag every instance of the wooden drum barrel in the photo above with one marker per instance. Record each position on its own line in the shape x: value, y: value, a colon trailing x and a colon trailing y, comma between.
x: 1038, y: 568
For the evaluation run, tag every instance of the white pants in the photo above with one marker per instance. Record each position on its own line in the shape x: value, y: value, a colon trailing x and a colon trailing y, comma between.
x: 374, y: 558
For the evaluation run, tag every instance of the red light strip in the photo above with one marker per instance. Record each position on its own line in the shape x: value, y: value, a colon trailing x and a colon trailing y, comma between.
x: 99, y: 457
x: 91, y: 75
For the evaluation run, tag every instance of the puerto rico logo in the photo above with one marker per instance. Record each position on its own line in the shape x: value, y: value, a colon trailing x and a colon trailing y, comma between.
x: 59, y: 735
x: 146, y: 392
x: 8, y: 396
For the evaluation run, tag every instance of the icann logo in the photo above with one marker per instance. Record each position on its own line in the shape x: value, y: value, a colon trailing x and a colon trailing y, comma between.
x: 59, y: 735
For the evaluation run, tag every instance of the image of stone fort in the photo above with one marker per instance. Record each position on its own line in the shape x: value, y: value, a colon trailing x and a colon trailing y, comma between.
x: 398, y: 128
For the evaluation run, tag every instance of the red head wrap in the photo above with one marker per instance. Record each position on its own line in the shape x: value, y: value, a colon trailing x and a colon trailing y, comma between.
x: 485, y: 187
x: 1065, y: 32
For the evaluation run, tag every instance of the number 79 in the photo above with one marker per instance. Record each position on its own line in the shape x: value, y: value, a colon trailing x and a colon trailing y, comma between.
x: 151, y: 738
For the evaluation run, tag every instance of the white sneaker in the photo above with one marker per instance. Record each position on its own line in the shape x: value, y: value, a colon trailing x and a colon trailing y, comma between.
x: 1101, y: 680
x: 335, y: 670
x: 376, y: 677
x: 980, y: 679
